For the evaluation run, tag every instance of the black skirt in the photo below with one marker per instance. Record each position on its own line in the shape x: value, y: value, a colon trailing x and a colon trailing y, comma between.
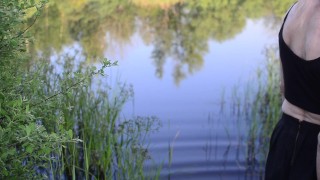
x: 293, y: 150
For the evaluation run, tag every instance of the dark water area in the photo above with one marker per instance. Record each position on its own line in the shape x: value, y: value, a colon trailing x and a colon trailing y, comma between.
x: 193, y: 64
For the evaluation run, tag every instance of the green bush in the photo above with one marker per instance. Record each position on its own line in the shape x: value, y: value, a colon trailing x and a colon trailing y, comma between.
x: 26, y: 145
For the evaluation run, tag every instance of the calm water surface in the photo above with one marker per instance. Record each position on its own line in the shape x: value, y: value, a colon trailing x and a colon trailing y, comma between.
x: 207, y: 140
x: 189, y: 80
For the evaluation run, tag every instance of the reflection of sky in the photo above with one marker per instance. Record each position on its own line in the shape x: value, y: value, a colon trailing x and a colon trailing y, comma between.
x: 226, y: 65
x: 189, y: 110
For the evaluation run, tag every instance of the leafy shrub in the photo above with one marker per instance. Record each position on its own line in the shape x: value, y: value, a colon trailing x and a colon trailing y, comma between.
x: 26, y: 145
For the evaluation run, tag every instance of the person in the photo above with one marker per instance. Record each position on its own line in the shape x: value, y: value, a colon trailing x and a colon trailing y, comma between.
x: 294, y: 141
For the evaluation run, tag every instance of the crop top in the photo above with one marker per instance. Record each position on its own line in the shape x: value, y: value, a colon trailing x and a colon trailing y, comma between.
x: 301, y: 77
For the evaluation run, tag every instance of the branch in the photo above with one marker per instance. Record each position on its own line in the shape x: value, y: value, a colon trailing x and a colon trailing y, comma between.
x: 22, y: 32
x: 91, y: 74
x: 59, y: 93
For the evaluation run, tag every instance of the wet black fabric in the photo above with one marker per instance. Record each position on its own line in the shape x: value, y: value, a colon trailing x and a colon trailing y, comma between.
x: 293, y: 150
x: 301, y: 78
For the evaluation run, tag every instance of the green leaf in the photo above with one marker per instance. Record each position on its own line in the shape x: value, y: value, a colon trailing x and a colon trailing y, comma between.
x: 2, y: 97
x: 46, y: 150
x: 5, y: 172
x: 12, y: 151
x: 69, y: 94
x: 28, y: 130
x: 3, y: 112
x: 15, y: 103
x: 4, y: 155
x: 29, y: 149
x: 70, y: 133
x: 13, y: 43
x: 27, y: 108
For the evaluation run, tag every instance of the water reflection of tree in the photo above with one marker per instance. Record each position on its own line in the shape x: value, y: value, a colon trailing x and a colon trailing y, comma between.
x: 50, y: 32
x: 86, y: 24
x: 183, y: 31
x: 176, y: 38
x: 179, y: 32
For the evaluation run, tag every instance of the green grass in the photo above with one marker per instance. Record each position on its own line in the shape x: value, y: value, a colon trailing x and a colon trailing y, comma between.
x: 111, y: 147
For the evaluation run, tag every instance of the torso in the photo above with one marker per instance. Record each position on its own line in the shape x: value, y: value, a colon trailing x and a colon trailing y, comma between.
x: 299, y: 113
x: 302, y: 34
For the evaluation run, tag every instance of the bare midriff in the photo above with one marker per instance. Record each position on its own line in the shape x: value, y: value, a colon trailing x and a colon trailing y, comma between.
x: 299, y: 113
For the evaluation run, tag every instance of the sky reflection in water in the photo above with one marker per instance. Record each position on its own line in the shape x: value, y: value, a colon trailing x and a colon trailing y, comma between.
x: 206, y: 143
x: 190, y: 111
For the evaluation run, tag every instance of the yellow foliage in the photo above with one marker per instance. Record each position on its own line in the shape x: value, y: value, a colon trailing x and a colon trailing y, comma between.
x: 78, y: 3
x: 30, y: 12
x: 163, y: 4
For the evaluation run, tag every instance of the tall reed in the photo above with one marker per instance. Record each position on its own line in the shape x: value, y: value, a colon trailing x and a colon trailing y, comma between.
x: 266, y: 109
x: 258, y: 105
x: 112, y: 147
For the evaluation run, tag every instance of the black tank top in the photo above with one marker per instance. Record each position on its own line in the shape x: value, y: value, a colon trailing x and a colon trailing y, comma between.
x: 301, y: 77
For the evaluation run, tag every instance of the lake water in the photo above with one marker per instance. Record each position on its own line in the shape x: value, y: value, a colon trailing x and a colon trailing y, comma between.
x: 206, y: 143
x: 188, y: 80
